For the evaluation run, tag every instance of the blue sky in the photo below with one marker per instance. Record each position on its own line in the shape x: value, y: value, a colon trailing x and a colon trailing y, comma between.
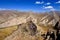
x: 30, y: 5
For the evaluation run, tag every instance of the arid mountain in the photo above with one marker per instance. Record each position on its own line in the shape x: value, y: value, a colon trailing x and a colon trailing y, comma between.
x: 8, y: 17
x: 26, y: 21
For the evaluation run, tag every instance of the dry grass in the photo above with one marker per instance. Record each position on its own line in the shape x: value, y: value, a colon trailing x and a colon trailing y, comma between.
x: 4, y: 32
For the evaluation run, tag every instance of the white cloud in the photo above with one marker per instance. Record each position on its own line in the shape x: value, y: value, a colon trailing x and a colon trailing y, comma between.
x: 53, y: 9
x: 48, y: 7
x: 48, y: 3
x: 38, y: 2
x: 7, y: 9
x: 58, y: 2
x: 2, y: 9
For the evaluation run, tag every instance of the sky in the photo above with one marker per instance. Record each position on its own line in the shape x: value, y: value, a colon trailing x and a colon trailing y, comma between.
x: 30, y: 5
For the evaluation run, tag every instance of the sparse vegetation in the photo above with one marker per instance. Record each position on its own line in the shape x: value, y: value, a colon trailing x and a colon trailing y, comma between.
x: 4, y: 32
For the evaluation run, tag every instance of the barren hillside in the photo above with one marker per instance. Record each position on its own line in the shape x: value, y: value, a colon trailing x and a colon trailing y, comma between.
x: 19, y: 26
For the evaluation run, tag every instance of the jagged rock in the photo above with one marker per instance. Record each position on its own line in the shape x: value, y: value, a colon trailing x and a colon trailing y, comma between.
x: 29, y: 27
